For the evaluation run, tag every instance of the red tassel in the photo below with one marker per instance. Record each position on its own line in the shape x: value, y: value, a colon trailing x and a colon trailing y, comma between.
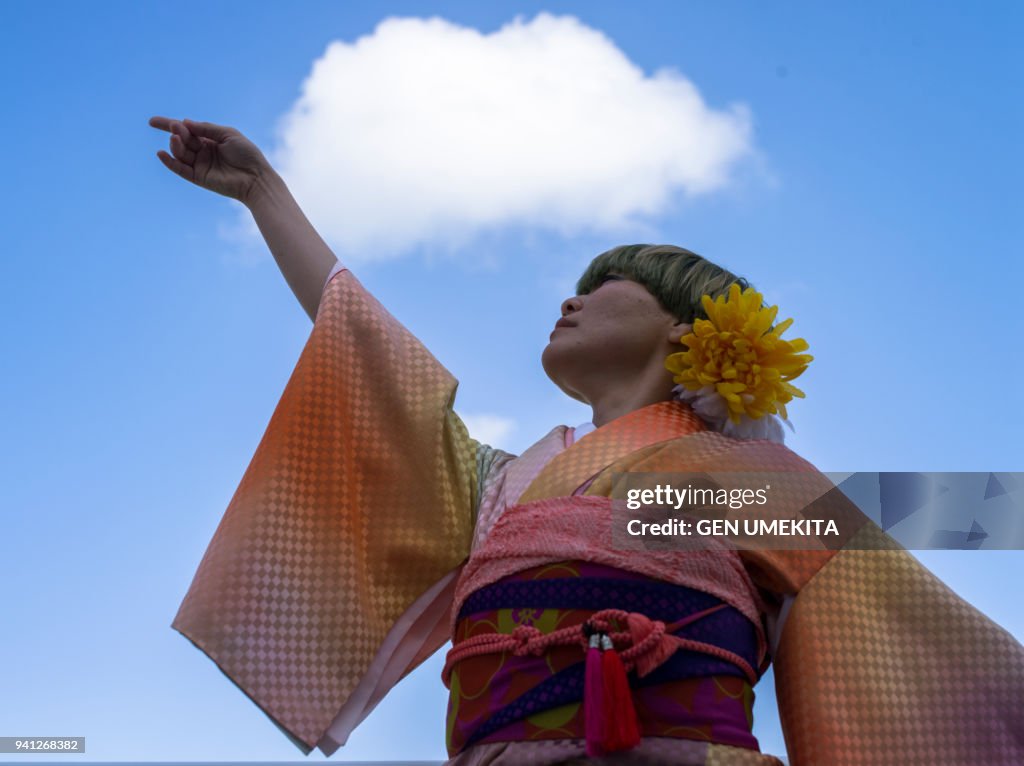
x: 621, y: 729
x: 593, y: 703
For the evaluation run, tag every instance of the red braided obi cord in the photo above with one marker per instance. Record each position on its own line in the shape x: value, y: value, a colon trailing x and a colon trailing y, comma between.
x: 550, y: 653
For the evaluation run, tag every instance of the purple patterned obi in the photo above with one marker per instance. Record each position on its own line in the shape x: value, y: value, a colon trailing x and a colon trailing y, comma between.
x: 499, y: 696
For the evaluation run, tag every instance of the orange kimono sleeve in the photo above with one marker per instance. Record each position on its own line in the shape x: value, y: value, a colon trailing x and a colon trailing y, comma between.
x: 359, y: 500
x: 880, y: 662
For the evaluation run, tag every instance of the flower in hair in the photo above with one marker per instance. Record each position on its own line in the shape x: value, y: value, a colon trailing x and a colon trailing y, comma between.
x: 736, y: 370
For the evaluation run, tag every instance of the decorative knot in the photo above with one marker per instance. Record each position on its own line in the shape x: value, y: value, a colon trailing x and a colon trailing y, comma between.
x: 651, y: 643
x: 529, y: 640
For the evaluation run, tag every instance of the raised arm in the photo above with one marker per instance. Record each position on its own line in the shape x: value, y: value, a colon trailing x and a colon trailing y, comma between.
x: 303, y: 257
x: 221, y: 159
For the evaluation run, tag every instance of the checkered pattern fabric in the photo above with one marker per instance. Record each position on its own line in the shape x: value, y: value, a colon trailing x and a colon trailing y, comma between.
x: 881, y: 663
x: 352, y: 506
x: 640, y: 428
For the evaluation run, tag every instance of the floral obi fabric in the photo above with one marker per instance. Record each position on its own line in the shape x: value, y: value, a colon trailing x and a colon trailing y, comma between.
x: 501, y: 695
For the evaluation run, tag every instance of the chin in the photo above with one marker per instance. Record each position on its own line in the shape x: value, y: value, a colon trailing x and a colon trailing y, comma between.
x: 550, y: 361
x: 555, y: 363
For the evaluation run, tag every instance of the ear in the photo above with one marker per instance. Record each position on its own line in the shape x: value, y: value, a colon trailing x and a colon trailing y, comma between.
x: 678, y: 330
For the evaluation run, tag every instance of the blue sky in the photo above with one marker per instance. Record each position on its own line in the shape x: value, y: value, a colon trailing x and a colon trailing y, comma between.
x: 865, y: 165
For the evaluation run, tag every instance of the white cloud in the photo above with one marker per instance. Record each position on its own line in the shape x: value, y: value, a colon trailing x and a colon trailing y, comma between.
x: 489, y: 429
x: 427, y: 132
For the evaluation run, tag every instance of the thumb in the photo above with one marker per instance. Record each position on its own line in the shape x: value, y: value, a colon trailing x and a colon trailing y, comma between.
x: 209, y: 129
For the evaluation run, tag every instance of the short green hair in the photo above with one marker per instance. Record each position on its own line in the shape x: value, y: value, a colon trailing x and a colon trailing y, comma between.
x: 677, y: 277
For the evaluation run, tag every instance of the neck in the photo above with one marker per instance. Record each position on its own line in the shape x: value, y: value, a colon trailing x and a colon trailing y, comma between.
x: 617, y: 398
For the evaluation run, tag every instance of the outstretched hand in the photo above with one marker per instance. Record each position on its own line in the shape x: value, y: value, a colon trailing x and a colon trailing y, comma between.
x: 214, y: 157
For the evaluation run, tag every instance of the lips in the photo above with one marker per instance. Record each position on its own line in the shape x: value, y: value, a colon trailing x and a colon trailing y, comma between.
x: 563, y: 322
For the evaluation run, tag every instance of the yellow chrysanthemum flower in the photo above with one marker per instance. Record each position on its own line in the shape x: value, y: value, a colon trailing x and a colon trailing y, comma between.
x: 734, y: 351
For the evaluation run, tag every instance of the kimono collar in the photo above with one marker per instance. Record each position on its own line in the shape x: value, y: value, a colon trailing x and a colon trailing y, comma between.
x: 640, y: 428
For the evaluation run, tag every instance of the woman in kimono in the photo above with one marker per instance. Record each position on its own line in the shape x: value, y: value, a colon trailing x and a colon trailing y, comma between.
x: 369, y: 528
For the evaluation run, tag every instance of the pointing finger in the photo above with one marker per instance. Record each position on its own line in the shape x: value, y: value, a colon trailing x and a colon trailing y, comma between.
x: 162, y: 123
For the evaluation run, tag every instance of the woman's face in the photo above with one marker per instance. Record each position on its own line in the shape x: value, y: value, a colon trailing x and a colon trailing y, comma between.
x: 617, y: 332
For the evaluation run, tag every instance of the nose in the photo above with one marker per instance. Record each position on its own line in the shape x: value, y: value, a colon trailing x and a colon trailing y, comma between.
x: 571, y: 305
